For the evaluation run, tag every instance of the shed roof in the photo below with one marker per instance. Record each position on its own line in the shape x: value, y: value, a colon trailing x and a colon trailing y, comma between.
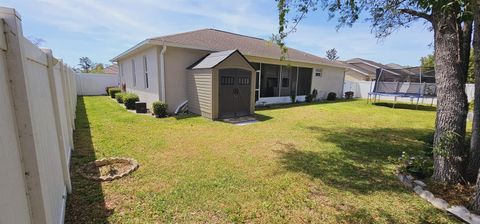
x: 211, y: 60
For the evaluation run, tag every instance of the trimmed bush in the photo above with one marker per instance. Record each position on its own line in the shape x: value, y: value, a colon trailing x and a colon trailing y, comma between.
x: 348, y: 95
x: 160, y: 109
x: 108, y: 88
x: 129, y: 100
x: 119, y: 97
x: 113, y: 91
x: 331, y: 96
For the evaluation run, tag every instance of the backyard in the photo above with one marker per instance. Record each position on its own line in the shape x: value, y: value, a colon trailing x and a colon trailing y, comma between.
x: 321, y: 163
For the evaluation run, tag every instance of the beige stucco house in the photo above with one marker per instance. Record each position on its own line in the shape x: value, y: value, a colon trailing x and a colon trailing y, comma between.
x: 223, y: 74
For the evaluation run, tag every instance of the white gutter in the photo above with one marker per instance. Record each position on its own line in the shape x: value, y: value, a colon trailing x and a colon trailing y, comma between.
x: 162, y: 71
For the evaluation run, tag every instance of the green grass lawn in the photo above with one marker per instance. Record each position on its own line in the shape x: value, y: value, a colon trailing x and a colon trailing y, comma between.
x: 320, y: 163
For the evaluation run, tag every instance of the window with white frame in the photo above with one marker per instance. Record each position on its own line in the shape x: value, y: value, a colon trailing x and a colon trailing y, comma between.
x: 318, y: 72
x: 145, y: 71
x: 134, y: 77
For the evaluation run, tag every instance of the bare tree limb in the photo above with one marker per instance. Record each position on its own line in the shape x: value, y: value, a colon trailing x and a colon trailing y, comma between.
x: 417, y: 14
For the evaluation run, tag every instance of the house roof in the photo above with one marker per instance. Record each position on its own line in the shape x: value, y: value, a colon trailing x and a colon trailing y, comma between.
x: 369, y: 67
x: 112, y: 69
x: 218, y: 40
x: 213, y: 59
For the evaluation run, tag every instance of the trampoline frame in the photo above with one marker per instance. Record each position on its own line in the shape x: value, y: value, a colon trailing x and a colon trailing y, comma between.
x: 412, y: 96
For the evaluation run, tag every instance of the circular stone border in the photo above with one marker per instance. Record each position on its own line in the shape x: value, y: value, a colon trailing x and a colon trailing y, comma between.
x: 419, y: 186
x: 133, y: 165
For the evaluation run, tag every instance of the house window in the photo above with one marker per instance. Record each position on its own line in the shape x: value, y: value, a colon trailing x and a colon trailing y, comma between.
x: 121, y: 69
x: 318, y: 72
x: 134, y: 77
x: 145, y: 70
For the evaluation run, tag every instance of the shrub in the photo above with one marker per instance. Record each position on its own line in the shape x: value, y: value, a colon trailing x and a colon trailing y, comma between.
x: 308, y: 98
x: 348, y: 95
x: 314, y: 94
x: 311, y: 96
x: 113, y: 91
x: 108, y: 88
x: 420, y: 166
x: 293, y: 97
x: 331, y: 96
x: 119, y: 97
x: 160, y: 109
x: 129, y: 100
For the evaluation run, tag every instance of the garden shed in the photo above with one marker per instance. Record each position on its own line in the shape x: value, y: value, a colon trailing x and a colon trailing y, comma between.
x: 221, y: 85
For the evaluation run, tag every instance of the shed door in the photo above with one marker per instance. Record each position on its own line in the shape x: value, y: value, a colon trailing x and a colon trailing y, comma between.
x: 234, y: 93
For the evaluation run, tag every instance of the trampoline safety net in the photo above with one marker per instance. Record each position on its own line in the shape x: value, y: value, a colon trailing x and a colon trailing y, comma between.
x: 406, y: 82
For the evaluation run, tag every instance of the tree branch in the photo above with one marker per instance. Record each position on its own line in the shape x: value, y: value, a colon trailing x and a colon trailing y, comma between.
x: 417, y: 14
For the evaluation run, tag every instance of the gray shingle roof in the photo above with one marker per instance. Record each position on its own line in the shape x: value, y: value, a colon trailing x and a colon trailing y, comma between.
x: 217, y: 40
x: 211, y: 60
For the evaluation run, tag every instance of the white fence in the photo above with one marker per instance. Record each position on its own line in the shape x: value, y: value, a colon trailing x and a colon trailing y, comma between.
x: 37, y: 112
x: 94, y: 84
x: 362, y: 88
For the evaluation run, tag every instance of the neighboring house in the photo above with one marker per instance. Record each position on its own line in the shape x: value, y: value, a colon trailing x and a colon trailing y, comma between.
x: 223, y: 74
x: 111, y: 69
x: 365, y: 70
x: 361, y: 69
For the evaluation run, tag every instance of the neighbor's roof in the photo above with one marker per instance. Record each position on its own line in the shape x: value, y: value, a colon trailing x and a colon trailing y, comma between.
x: 213, y: 59
x: 217, y: 40
x: 371, y: 67
x: 112, y: 69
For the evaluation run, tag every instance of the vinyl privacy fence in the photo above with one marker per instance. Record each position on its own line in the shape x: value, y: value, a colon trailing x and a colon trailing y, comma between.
x: 89, y: 84
x: 37, y: 112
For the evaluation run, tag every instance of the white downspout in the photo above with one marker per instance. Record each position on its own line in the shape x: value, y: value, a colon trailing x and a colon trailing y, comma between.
x: 162, y: 71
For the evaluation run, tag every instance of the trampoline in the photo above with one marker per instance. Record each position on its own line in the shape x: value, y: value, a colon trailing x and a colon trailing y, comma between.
x: 415, y: 83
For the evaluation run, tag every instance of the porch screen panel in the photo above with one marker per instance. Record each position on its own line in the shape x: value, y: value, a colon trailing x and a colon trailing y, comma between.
x: 288, y: 80
x: 270, y: 80
x: 304, y: 81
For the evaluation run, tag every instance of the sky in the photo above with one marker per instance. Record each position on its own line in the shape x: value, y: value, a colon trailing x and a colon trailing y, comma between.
x: 102, y: 29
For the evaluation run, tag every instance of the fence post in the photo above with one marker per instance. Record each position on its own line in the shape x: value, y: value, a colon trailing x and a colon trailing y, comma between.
x: 58, y: 123
x: 16, y: 67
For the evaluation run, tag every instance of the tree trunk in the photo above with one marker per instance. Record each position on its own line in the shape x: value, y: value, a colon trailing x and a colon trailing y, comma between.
x: 475, y: 203
x: 449, y: 148
x: 474, y: 154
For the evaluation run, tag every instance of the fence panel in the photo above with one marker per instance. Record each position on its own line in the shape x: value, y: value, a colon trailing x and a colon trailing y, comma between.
x: 13, y: 203
x: 38, y: 98
x: 94, y: 84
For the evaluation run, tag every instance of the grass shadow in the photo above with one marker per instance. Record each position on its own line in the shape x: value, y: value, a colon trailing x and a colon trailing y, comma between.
x: 86, y: 204
x: 406, y: 106
x: 362, y: 165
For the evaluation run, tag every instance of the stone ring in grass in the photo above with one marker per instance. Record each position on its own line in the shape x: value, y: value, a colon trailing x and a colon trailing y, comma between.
x: 108, y: 169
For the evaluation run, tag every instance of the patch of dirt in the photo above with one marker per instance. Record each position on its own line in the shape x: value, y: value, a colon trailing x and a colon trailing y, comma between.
x: 454, y: 194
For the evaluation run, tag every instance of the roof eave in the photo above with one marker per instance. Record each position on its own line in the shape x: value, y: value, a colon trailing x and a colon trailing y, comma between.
x: 131, y: 50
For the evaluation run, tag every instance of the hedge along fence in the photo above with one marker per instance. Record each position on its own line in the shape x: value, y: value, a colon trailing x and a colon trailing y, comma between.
x: 37, y: 112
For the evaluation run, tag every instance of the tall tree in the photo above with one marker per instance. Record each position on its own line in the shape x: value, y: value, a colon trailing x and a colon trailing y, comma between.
x: 474, y: 153
x: 428, y: 61
x: 447, y: 18
x: 98, y: 68
x: 332, y: 54
x: 86, y: 65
